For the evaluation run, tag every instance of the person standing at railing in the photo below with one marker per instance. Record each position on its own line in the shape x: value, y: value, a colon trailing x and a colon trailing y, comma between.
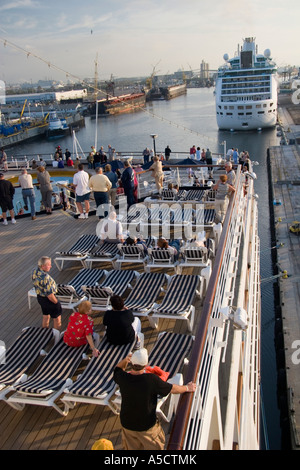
x: 82, y: 191
x: 157, y: 173
x: 230, y: 173
x: 167, y: 152
x: 223, y: 189
x: 25, y: 181
x: 3, y: 160
x: 127, y: 180
x: 7, y: 192
x: 139, y: 391
x: 43, y: 178
x: 100, y: 185
x: 113, y: 178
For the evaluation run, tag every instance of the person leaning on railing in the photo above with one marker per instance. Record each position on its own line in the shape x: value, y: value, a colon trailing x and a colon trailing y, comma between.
x: 223, y: 189
x: 139, y: 390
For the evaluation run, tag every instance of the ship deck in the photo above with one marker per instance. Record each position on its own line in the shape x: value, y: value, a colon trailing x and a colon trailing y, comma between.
x: 38, y: 427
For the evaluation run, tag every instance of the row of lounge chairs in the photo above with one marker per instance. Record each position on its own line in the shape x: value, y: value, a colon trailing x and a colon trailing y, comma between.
x: 188, y: 195
x: 88, y: 250
x: 97, y: 286
x: 52, y: 376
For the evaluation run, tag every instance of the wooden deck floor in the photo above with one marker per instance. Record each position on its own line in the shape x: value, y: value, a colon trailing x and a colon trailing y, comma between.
x: 37, y: 427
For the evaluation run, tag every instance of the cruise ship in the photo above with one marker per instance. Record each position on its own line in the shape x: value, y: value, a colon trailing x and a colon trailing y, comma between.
x: 246, y: 90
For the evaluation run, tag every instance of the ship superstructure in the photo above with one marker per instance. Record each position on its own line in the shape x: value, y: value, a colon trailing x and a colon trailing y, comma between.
x: 246, y: 90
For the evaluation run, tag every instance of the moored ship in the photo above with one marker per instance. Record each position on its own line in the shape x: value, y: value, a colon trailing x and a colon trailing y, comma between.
x: 127, y: 103
x: 166, y: 92
x: 246, y: 90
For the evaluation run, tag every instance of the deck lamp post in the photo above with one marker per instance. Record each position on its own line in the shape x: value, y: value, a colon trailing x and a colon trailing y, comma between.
x: 154, y: 137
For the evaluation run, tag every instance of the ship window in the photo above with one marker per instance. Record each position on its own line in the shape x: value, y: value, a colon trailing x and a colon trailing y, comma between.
x: 261, y: 112
x: 225, y: 107
x: 248, y: 107
x: 265, y: 105
x: 258, y: 106
x: 248, y: 114
x: 228, y: 114
x: 231, y: 107
x: 271, y: 104
x: 241, y: 114
x: 240, y: 107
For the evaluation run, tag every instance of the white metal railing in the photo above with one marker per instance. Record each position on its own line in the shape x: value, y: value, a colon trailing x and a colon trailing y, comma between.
x: 222, y: 285
x: 224, y: 294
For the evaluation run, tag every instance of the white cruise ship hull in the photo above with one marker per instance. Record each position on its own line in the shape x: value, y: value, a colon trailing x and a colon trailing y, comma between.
x: 246, y: 91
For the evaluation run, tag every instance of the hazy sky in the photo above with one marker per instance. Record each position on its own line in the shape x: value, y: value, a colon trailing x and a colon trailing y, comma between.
x: 132, y: 37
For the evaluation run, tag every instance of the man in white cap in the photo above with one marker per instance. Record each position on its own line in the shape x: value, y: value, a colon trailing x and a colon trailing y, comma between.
x: 139, y: 390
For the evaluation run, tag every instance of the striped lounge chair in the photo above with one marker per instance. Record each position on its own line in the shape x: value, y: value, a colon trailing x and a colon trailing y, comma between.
x: 49, y: 380
x: 106, y: 252
x: 22, y: 354
x: 168, y: 195
x: 72, y: 293
x: 132, y: 253
x: 115, y: 283
x: 96, y: 384
x: 160, y: 258
x: 169, y: 353
x: 78, y: 252
x: 145, y: 292
x: 204, y: 218
x: 178, y: 301
x: 193, y: 195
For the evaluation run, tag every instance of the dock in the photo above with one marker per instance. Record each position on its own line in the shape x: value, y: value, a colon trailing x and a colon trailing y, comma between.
x: 285, y: 176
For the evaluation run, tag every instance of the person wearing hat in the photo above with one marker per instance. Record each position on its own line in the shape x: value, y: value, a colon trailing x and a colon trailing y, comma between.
x: 139, y: 391
x: 103, y: 444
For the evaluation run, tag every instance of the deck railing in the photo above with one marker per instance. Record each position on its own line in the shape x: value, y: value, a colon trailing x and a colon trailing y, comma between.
x: 186, y: 432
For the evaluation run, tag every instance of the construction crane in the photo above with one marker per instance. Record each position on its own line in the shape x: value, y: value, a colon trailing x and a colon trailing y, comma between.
x: 154, y: 72
x: 22, y: 112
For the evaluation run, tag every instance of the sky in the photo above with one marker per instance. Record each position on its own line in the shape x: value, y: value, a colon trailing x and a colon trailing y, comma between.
x: 62, y: 39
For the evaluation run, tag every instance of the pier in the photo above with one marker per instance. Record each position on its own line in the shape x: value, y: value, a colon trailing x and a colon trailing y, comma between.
x: 284, y: 168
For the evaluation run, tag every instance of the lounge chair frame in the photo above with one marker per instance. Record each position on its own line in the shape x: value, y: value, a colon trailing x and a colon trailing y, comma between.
x: 78, y: 252
x: 49, y: 380
x: 178, y: 300
x: 22, y: 354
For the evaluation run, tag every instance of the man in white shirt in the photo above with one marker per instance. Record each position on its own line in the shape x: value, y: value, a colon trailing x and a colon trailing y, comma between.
x: 82, y: 190
x: 25, y: 181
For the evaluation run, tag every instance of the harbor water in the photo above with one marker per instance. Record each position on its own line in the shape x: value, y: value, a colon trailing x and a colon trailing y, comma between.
x: 181, y: 123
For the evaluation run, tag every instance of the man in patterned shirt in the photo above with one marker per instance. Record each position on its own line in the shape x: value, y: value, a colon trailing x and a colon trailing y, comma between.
x: 46, y: 289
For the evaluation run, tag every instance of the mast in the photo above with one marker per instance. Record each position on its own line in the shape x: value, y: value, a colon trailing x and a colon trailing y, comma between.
x: 96, y: 99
